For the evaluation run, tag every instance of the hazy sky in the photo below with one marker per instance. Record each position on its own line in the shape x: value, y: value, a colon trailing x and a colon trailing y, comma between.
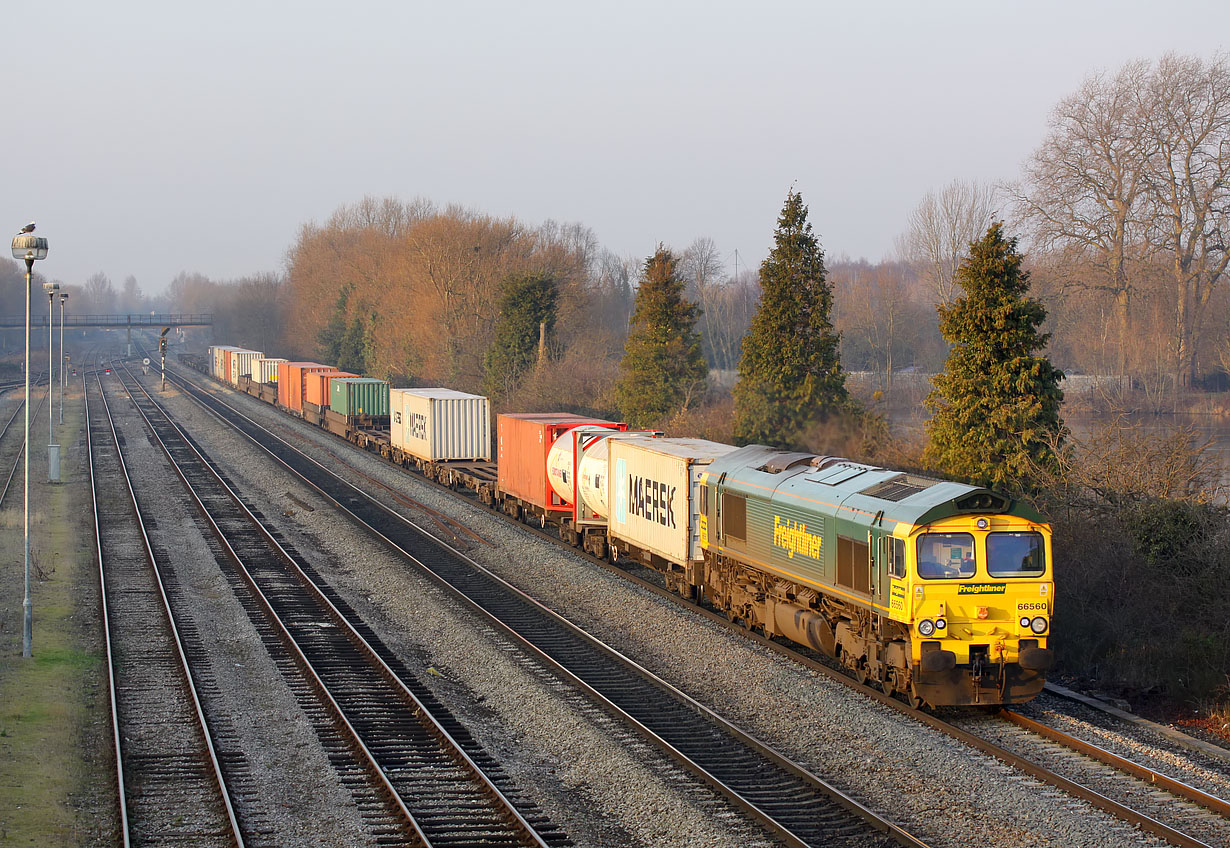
x: 150, y: 138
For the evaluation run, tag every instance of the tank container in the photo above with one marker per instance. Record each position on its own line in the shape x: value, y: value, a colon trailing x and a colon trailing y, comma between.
x: 523, y: 442
x: 440, y: 424
x: 653, y: 493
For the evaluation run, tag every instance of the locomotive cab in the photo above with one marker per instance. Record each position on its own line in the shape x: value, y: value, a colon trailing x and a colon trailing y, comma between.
x: 978, y: 598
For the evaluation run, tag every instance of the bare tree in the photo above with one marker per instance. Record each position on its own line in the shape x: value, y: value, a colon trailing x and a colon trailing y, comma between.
x: 1188, y: 175
x: 131, y: 299
x: 1083, y: 191
x: 941, y: 229
x: 1134, y: 173
x: 99, y: 295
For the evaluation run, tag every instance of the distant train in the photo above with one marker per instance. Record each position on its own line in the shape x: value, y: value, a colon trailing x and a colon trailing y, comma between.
x: 939, y: 591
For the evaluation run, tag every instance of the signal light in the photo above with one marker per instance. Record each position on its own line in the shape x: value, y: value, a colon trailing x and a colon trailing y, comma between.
x: 926, y: 627
x: 1038, y: 625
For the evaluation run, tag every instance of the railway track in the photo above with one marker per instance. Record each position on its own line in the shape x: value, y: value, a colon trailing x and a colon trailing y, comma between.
x: 8, y: 480
x: 441, y: 787
x: 169, y: 776
x: 797, y: 807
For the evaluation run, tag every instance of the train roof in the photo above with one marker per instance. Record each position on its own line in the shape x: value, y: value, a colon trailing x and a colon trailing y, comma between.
x: 854, y: 491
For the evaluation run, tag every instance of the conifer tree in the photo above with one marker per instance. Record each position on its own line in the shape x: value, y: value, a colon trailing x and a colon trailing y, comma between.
x: 527, y: 310
x: 996, y: 405
x: 352, y: 350
x: 790, y: 370
x: 331, y: 336
x: 662, y: 371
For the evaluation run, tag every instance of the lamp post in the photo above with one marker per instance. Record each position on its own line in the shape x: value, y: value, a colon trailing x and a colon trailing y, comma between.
x: 63, y: 358
x: 53, y: 450
x: 28, y: 248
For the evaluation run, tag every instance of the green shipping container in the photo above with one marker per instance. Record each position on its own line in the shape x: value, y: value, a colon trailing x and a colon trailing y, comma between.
x: 359, y: 396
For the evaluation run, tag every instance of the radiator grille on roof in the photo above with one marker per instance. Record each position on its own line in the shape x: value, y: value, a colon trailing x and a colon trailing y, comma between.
x: 897, y: 489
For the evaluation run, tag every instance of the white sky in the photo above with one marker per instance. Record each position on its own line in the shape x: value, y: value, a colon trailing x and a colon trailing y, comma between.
x: 149, y: 138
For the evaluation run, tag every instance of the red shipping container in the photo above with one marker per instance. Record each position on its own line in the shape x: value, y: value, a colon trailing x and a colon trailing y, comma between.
x: 523, y: 442
x: 226, y: 365
x: 316, y: 386
x: 290, y: 382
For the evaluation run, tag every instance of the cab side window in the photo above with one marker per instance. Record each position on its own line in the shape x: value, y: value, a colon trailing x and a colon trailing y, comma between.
x: 896, y: 557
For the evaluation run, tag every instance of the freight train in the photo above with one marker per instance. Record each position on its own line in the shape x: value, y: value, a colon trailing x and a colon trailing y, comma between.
x: 938, y: 591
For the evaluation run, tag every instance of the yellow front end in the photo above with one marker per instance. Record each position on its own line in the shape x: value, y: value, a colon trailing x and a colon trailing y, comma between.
x: 979, y: 596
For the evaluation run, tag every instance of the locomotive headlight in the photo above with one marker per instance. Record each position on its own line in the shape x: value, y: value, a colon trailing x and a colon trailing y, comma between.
x: 1038, y: 625
x: 1025, y: 621
x: 983, y: 524
x: 926, y: 627
x: 940, y: 624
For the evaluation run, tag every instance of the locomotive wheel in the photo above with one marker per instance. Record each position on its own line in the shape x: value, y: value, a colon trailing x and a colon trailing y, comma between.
x: 860, y: 674
x: 914, y: 699
x: 542, y: 521
x: 614, y: 554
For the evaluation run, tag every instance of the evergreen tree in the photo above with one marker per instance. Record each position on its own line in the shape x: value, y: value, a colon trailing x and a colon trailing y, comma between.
x: 329, y: 341
x: 790, y: 371
x: 662, y: 370
x: 528, y: 302
x: 352, y: 351
x: 996, y: 405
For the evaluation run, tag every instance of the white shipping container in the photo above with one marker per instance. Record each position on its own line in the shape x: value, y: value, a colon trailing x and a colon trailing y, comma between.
x: 440, y: 424
x: 242, y: 362
x: 266, y: 370
x: 653, y: 489
x: 218, y: 369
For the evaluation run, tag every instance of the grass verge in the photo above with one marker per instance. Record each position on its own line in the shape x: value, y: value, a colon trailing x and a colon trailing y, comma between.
x: 55, y: 763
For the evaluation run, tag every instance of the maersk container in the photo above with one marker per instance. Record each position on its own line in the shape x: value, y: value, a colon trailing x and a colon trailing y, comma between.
x: 290, y: 382
x: 523, y: 442
x: 266, y: 370
x: 359, y: 396
x: 436, y: 425
x: 653, y: 494
x: 242, y: 361
x: 316, y: 386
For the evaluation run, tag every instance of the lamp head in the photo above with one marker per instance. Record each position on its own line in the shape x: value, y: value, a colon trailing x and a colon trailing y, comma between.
x: 29, y: 247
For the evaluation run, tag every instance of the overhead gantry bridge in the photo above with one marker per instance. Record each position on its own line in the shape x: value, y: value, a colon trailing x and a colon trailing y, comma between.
x: 114, y: 322
x: 129, y: 322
